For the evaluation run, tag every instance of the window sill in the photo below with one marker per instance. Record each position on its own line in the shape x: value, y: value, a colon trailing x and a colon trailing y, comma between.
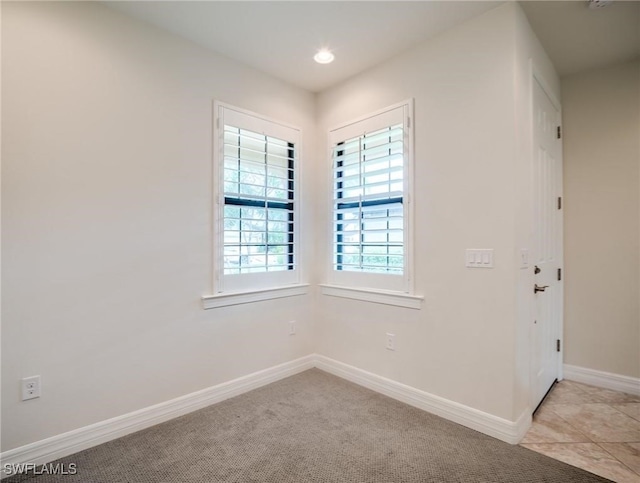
x: 375, y: 296
x: 238, y: 298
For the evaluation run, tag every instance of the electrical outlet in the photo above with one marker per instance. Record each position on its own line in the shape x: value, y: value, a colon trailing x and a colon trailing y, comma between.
x: 30, y: 387
x: 391, y: 341
x: 292, y: 327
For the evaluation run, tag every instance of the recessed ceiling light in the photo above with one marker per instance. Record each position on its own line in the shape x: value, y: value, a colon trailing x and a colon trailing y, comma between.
x: 324, y: 56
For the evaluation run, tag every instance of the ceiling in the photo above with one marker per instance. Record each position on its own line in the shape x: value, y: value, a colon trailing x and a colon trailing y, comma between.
x: 579, y: 38
x: 281, y: 37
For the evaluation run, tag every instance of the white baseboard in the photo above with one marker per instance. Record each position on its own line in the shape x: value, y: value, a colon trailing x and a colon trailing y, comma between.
x: 502, y: 429
x: 606, y: 380
x: 50, y: 449
x: 65, y: 444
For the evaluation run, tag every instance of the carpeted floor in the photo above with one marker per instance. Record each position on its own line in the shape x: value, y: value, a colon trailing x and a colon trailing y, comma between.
x: 311, y: 427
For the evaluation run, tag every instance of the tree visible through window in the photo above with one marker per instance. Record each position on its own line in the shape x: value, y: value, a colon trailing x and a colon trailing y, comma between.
x: 256, y: 238
x: 258, y: 202
x: 368, y: 202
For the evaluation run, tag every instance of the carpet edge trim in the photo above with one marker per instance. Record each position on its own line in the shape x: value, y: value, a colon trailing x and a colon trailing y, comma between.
x: 605, y: 380
x: 504, y: 430
x: 65, y: 444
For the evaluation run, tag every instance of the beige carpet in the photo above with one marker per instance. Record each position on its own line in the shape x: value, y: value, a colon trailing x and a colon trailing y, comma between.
x: 312, y: 427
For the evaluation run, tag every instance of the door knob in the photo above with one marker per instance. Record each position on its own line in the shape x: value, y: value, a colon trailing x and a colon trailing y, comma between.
x: 537, y: 270
x: 537, y: 288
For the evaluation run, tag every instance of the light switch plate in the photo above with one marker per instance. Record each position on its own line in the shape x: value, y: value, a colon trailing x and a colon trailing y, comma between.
x: 479, y: 257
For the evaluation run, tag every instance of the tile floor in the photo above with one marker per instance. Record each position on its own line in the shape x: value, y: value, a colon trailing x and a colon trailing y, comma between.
x: 592, y: 428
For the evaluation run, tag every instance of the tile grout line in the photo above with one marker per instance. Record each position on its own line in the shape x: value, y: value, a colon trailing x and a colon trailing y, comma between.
x: 598, y: 444
x: 571, y: 425
x: 622, y: 412
x: 609, y: 452
x: 615, y: 458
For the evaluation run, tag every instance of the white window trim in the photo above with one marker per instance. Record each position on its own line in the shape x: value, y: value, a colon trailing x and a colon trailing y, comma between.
x: 348, y: 281
x: 385, y: 297
x: 269, y: 289
x: 238, y: 298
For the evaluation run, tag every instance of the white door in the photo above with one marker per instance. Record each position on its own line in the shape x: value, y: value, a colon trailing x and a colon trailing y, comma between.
x: 547, y: 251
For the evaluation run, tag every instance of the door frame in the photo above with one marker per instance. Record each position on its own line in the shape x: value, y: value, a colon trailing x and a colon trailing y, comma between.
x: 537, y: 76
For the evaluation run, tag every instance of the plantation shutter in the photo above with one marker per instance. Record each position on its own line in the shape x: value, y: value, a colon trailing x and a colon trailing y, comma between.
x: 368, y: 195
x: 258, y: 198
x: 257, y: 202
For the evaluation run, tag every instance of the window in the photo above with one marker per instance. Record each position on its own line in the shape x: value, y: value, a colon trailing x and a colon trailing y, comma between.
x: 370, y: 160
x: 368, y: 202
x: 256, y: 201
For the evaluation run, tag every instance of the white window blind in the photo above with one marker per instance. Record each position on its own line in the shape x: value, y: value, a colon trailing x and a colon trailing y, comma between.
x: 257, y: 236
x: 258, y: 202
x: 368, y: 202
x: 370, y: 180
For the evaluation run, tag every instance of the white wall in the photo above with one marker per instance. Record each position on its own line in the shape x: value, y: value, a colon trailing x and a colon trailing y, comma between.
x: 106, y: 198
x: 107, y: 218
x: 602, y: 219
x: 462, y: 344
